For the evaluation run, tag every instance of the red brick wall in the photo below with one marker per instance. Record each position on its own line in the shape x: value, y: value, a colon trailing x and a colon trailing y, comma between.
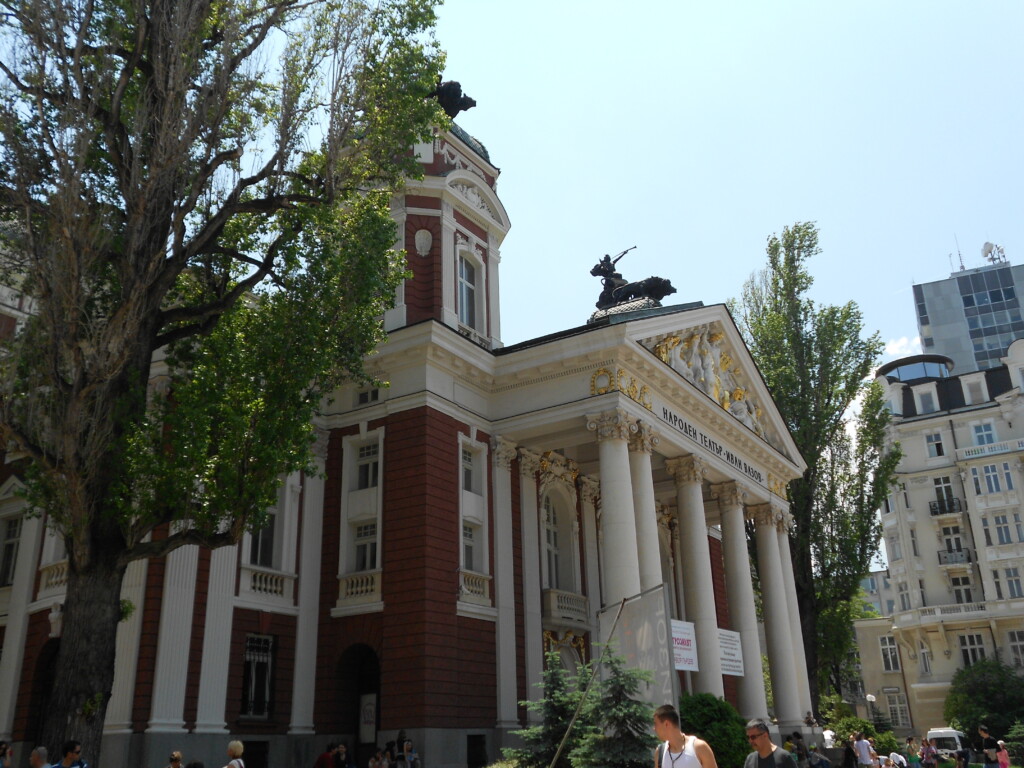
x: 195, y: 653
x: 152, y: 602
x: 282, y: 628
x: 730, y: 682
x: 31, y: 701
x: 423, y: 289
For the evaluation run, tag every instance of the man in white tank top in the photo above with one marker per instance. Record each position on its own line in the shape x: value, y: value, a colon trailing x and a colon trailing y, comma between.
x: 677, y: 750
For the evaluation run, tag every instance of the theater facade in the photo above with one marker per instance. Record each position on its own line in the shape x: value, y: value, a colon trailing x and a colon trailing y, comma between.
x: 488, y: 505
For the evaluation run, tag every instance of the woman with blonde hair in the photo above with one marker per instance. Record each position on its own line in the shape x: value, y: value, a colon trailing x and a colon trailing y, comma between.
x: 235, y: 749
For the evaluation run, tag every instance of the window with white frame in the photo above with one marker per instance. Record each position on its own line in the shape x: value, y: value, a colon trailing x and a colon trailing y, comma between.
x: 1016, y: 638
x: 895, y: 548
x: 467, y: 292
x: 367, y: 396
x: 1002, y: 529
x: 913, y: 543
x: 974, y: 392
x: 927, y: 401
x: 972, y: 649
x: 367, y: 474
x: 11, y: 530
x: 890, y: 653
x: 903, y: 592
x: 924, y: 658
x: 552, y: 551
x: 986, y: 529
x: 1007, y: 476
x: 951, y: 538
x: 984, y: 434
x: 899, y: 712
x: 934, y: 444
x: 365, y: 537
x: 472, y: 484
x: 469, y: 553
x: 1018, y: 526
x: 257, y: 676
x: 920, y: 589
x: 961, y: 589
x: 943, y: 493
x: 1013, y: 585
x: 261, y: 545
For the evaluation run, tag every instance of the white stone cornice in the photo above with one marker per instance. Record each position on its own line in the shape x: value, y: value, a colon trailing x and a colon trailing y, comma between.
x: 611, y: 425
x: 503, y: 451
x: 645, y: 438
x: 687, y: 469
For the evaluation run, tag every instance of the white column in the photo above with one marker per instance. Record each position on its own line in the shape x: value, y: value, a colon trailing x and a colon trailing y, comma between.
x: 168, y: 708
x: 213, y: 670
x: 304, y: 676
x: 740, y: 589
x: 797, y: 642
x: 493, y: 296
x: 533, y: 628
x: 677, y: 558
x: 618, y: 523
x: 22, y: 588
x: 590, y: 495
x: 503, y: 452
x: 776, y: 618
x: 644, y: 506
x: 698, y: 587
x: 129, y: 632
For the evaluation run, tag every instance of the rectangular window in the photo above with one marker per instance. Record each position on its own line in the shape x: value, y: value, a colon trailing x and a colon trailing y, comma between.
x: 987, y: 531
x: 934, y: 443
x: 1002, y: 529
x: 257, y: 676
x: 368, y: 467
x: 904, y: 594
x: 9, y: 556
x: 1017, y: 648
x: 469, y: 482
x: 895, y: 548
x: 977, y: 480
x: 992, y: 478
x: 951, y: 538
x: 927, y: 402
x: 913, y: 543
x: 920, y: 588
x: 971, y: 649
x: 961, y: 589
x: 1013, y: 586
x: 1017, y: 524
x: 367, y: 396
x: 261, y: 552
x: 924, y: 657
x: 890, y: 654
x: 366, y: 547
x: 974, y: 394
x: 1007, y: 476
x: 468, y: 548
x: 899, y: 712
x: 944, y: 500
x: 998, y: 584
x: 467, y: 292
x: 984, y: 434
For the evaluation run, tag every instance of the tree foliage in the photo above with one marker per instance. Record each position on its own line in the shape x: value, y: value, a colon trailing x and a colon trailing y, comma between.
x: 718, y: 723
x: 618, y: 734
x: 988, y: 692
x: 815, y: 360
x: 195, y: 195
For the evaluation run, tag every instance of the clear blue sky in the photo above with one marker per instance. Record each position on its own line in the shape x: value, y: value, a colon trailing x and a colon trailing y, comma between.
x: 696, y: 130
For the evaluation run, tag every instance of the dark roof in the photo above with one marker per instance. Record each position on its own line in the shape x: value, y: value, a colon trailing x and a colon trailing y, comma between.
x: 472, y: 143
x: 951, y: 394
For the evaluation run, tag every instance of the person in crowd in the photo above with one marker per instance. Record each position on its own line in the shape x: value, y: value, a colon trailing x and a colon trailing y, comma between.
x: 816, y: 759
x: 175, y: 760
x: 863, y: 749
x: 378, y: 760
x: 910, y: 752
x: 829, y: 737
x: 677, y: 749
x: 989, y: 747
x: 1002, y: 755
x: 326, y: 758
x: 38, y: 758
x: 929, y: 755
x: 898, y: 760
x: 849, y: 753
x: 72, y: 751
x: 765, y: 754
x: 235, y: 750
x: 341, y: 758
x: 5, y: 755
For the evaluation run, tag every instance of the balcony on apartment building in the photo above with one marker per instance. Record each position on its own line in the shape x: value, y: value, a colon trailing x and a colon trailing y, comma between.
x: 992, y: 449
x: 957, y: 557
x: 950, y: 506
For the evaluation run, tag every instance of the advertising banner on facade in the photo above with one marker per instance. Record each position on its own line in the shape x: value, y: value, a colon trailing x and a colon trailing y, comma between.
x: 732, y: 652
x: 368, y: 718
x: 643, y: 636
x: 684, y: 645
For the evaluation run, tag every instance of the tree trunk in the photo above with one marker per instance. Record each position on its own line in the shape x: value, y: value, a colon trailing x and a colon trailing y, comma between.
x: 85, y: 661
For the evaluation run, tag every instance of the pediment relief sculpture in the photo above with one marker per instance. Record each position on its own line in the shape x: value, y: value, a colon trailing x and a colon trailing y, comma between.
x: 473, y: 197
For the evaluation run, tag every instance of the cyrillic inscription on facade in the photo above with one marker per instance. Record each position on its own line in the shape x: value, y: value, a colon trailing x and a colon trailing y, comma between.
x: 710, y: 445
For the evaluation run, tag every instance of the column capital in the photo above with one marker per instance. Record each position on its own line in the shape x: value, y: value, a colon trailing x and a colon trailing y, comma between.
x: 644, y: 438
x: 730, y: 494
x: 529, y: 462
x: 590, y: 490
x: 503, y: 451
x: 768, y: 515
x: 556, y: 468
x: 611, y: 425
x: 687, y: 469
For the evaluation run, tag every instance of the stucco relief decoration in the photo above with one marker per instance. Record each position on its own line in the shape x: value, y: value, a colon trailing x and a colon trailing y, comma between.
x: 702, y: 358
x: 455, y: 158
x: 729, y: 494
x: 589, y: 490
x: 604, y: 380
x: 503, y: 452
x: 529, y: 462
x: 687, y: 469
x: 778, y: 486
x: 555, y: 468
x: 611, y: 425
x: 472, y: 196
x: 424, y: 240
x: 552, y: 642
x: 645, y: 439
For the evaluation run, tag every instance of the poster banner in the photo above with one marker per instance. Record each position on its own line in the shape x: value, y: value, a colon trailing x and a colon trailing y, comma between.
x: 368, y: 718
x: 684, y: 645
x: 732, y: 652
x: 644, y: 638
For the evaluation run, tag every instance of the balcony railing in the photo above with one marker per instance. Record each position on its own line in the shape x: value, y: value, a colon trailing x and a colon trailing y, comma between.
x: 53, y: 579
x: 267, y: 586
x: 954, y: 558
x: 945, y: 506
x: 562, y: 607
x: 955, y: 609
x: 360, y: 587
x: 474, y: 588
x: 976, y: 451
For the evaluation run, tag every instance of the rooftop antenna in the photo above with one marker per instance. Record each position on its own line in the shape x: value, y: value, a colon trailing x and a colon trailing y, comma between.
x: 993, y: 253
x: 959, y: 255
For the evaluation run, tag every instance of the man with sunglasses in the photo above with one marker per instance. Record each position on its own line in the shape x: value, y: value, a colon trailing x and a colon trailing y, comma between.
x: 72, y: 751
x: 765, y: 754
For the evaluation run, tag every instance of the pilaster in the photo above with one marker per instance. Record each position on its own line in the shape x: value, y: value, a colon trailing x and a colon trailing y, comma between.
x: 533, y: 627
x: 503, y: 452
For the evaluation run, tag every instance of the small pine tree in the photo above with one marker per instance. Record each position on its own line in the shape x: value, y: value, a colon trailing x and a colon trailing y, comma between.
x: 718, y: 723
x: 1015, y: 743
x: 561, y: 697
x: 618, y: 730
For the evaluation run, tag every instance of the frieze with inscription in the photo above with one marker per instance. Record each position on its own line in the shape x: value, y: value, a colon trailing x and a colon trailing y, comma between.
x: 709, y: 444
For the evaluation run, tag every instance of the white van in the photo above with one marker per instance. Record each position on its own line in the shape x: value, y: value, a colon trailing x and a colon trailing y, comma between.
x: 947, y: 741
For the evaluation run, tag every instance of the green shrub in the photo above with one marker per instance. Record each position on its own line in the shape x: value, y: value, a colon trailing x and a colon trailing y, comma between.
x: 886, y: 743
x: 719, y: 724
x: 1015, y: 743
x: 845, y: 726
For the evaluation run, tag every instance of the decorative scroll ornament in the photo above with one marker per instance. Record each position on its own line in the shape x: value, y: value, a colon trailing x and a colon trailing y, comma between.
x: 663, y: 349
x: 730, y: 494
x: 555, y: 468
x: 611, y: 425
x: 503, y: 452
x: 687, y: 469
x: 767, y: 515
x: 604, y: 380
x: 529, y: 462
x: 645, y: 439
x: 424, y: 240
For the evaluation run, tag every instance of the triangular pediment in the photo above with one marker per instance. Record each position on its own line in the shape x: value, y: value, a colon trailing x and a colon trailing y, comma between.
x: 711, y: 356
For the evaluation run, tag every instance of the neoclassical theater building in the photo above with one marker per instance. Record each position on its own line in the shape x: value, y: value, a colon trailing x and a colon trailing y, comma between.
x: 492, y: 502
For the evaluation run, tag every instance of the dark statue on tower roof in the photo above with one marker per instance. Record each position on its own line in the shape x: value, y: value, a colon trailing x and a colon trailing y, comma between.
x: 618, y: 291
x: 451, y: 98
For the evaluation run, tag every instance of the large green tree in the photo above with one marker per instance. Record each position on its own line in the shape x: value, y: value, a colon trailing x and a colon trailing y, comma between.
x: 195, y: 194
x: 988, y: 692
x: 816, y: 360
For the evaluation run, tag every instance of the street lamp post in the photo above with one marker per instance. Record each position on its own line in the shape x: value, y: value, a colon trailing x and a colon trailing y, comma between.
x: 871, y: 707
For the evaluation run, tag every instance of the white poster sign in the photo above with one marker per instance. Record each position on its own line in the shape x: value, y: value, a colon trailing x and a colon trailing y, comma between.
x: 368, y: 718
x: 732, y: 652
x: 684, y: 645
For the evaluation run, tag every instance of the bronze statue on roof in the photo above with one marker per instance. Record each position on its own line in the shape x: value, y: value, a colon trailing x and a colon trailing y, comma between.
x: 618, y: 291
x: 451, y: 98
